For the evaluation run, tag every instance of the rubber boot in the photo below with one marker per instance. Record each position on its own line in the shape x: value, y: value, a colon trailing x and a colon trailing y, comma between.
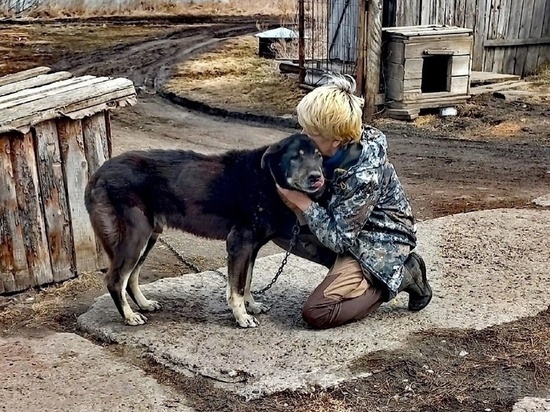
x: 415, y: 283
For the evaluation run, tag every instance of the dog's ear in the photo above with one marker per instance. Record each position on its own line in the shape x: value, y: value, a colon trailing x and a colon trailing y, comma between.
x: 270, y: 152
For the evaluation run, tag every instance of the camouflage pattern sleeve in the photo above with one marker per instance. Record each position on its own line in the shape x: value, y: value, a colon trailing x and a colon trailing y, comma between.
x: 338, y: 226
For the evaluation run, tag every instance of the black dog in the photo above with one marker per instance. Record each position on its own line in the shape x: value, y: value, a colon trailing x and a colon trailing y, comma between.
x: 133, y: 196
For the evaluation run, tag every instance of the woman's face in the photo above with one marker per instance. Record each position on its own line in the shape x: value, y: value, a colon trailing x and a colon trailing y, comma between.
x: 327, y: 147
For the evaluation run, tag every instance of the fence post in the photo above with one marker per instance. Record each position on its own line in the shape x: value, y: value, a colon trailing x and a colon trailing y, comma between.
x: 373, y: 57
x: 362, y: 31
x: 301, y: 42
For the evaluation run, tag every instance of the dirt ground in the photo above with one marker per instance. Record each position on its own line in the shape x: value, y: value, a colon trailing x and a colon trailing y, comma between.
x: 496, y: 153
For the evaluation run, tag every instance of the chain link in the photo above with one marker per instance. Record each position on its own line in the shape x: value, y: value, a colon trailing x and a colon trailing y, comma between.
x: 196, y: 269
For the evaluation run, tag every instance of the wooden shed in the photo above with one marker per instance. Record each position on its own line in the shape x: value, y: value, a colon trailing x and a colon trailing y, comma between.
x: 54, y: 133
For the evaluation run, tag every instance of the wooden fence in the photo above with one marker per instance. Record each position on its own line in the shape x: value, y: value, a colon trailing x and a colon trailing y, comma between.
x: 510, y: 36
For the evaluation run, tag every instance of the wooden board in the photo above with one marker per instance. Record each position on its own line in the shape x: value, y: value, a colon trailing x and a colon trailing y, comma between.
x: 23, y: 75
x: 37, y: 81
x: 26, y: 101
x: 66, y: 102
x: 479, y: 77
x: 54, y: 200
x: 71, y: 142
x: 14, y: 275
x: 95, y: 134
x: 30, y: 211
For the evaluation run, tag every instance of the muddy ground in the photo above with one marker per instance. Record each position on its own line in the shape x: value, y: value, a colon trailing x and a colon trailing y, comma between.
x: 480, y: 160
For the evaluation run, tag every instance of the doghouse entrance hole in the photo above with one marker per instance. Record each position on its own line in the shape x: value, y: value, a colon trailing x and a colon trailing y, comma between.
x: 435, y: 74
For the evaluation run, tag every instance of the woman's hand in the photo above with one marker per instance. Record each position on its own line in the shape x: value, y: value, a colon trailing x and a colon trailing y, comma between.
x: 297, y: 201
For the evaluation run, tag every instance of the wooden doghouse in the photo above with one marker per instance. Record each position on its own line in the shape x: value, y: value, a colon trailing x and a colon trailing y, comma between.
x: 426, y: 67
x: 54, y: 132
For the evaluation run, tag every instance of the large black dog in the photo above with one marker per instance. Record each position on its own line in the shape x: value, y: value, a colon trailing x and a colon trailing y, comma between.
x: 132, y: 197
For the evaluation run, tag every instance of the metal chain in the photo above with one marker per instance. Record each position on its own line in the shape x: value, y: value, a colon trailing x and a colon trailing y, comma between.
x: 295, y: 232
x: 188, y: 263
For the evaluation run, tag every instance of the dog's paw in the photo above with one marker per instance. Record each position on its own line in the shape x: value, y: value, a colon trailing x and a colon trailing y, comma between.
x: 256, y: 307
x: 135, y: 319
x: 151, y: 306
x: 247, y: 321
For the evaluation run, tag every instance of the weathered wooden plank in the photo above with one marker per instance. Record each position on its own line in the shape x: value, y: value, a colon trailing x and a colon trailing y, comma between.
x: 426, y: 31
x: 460, y: 13
x: 425, y: 12
x: 460, y: 46
x: 43, y: 94
x: 412, y: 69
x: 482, y: 12
x: 37, y: 81
x: 394, y: 89
x: 28, y: 95
x: 75, y: 166
x: 460, y: 65
x: 544, y: 51
x: 77, y: 109
x: 108, y: 134
x: 470, y: 18
x: 491, y: 33
x: 30, y: 211
x: 14, y: 274
x: 517, y: 42
x: 450, y: 12
x: 396, y: 52
x: 495, y: 86
x: 54, y: 201
x: 460, y: 84
x: 502, y: 32
x: 23, y: 75
x: 477, y: 77
x: 73, y: 95
x: 94, y: 130
x: 373, y: 57
x: 524, y: 30
x: 509, y: 57
x: 535, y: 32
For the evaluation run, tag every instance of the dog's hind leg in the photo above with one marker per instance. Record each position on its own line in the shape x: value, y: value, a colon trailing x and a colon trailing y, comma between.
x: 240, y: 246
x: 126, y: 256
x: 253, y: 306
x: 133, y: 288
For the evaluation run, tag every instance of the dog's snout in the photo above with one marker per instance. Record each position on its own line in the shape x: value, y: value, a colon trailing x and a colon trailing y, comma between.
x: 314, y: 177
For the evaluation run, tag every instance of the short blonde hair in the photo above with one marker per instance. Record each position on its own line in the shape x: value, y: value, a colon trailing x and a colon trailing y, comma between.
x: 332, y: 111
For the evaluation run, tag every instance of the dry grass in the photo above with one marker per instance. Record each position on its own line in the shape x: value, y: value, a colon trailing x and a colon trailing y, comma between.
x: 42, y: 307
x: 235, y: 78
x: 24, y: 47
x: 542, y: 77
x: 146, y: 8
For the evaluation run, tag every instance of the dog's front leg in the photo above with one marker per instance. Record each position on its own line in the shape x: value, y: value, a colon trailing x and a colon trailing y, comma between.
x: 240, y: 247
x: 253, y: 306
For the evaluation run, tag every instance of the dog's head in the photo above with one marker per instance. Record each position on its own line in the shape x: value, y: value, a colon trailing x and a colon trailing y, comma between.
x: 296, y: 163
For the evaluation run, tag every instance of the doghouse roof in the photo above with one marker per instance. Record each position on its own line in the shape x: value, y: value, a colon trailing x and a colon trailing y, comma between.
x: 33, y: 96
x: 278, y: 33
x: 426, y: 30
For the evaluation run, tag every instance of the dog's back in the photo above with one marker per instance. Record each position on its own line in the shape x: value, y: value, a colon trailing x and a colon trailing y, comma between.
x: 175, y: 188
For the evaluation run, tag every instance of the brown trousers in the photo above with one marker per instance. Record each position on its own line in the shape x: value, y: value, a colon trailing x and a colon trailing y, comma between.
x: 346, y: 294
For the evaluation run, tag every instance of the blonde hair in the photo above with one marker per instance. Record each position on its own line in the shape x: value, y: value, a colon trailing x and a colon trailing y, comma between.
x: 332, y: 111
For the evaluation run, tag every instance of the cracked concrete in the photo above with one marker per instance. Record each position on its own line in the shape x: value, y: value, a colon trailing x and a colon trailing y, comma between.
x: 485, y: 267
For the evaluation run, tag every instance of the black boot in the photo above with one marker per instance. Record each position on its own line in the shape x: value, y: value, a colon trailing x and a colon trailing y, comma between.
x: 415, y: 283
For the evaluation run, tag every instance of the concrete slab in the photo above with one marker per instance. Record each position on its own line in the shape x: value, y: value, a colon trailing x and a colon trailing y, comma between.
x: 532, y: 405
x: 64, y: 372
x: 542, y: 200
x: 485, y: 267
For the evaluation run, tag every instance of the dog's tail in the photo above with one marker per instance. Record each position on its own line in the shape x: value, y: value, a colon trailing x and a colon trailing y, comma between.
x: 103, y: 216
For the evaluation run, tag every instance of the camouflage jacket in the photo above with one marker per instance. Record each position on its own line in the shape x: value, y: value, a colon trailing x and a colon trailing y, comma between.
x: 368, y: 214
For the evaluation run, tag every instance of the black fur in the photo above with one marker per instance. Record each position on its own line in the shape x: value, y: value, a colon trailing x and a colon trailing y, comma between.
x: 132, y: 197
